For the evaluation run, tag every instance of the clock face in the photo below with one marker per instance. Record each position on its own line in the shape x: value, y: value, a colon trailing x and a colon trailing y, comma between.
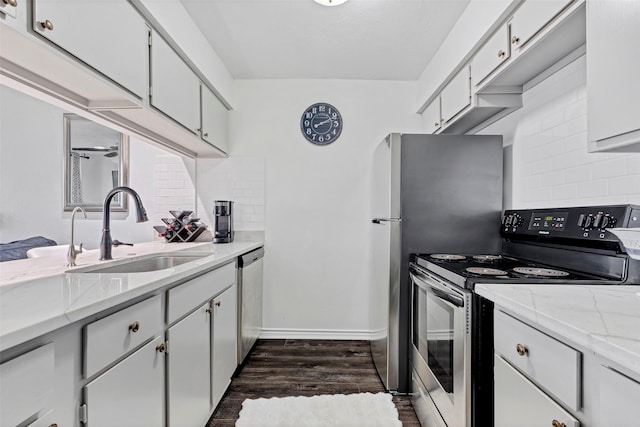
x: 321, y: 123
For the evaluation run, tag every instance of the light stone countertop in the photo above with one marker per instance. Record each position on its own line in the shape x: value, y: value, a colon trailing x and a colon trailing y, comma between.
x: 38, y: 296
x: 603, y: 319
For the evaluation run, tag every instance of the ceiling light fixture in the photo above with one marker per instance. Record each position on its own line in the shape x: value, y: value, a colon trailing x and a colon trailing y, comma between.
x: 330, y: 2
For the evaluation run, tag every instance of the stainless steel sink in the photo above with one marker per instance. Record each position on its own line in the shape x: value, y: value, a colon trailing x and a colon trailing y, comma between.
x: 140, y: 265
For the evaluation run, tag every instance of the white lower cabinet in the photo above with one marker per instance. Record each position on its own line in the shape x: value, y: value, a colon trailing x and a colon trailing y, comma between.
x: 131, y: 393
x: 619, y: 397
x: 224, y: 341
x: 518, y: 402
x: 188, y: 370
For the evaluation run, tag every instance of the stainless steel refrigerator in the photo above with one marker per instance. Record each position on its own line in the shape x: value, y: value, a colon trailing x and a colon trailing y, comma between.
x: 430, y: 194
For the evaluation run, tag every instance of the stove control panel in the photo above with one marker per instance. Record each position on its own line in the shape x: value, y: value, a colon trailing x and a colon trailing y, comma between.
x: 590, y: 223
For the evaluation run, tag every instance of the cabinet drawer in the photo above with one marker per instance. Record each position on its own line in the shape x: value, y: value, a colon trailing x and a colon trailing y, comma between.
x: 9, y: 9
x: 548, y: 362
x: 456, y: 95
x: 113, y: 336
x: 494, y: 52
x: 518, y: 402
x: 26, y: 384
x: 184, y: 298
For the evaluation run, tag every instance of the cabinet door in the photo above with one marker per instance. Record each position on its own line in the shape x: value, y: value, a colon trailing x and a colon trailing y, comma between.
x: 531, y: 17
x: 456, y: 96
x: 612, y: 69
x: 110, y: 36
x: 493, y: 53
x: 224, y: 342
x: 189, y: 369
x: 175, y: 89
x: 214, y: 119
x: 519, y: 402
x: 619, y: 397
x: 10, y: 8
x: 130, y: 394
x: 431, y: 116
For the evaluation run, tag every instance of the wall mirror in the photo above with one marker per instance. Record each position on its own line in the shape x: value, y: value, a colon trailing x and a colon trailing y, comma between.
x: 96, y: 159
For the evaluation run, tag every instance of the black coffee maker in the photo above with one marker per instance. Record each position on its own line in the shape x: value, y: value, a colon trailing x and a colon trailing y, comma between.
x: 223, y: 227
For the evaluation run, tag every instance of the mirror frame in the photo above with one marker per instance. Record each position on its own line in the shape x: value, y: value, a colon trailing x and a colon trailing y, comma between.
x: 119, y: 203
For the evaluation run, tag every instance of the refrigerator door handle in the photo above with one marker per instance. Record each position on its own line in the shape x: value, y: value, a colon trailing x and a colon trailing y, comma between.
x: 381, y: 220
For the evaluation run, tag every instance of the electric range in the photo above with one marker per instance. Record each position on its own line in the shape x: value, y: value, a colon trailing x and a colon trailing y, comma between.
x: 452, y: 327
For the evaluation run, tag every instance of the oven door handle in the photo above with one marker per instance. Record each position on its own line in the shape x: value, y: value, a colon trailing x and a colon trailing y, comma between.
x: 452, y: 299
x: 439, y: 290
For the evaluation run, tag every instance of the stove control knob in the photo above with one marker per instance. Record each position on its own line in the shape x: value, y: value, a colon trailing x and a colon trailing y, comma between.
x: 507, y: 220
x: 597, y: 221
x: 588, y: 222
x: 581, y: 220
x: 608, y: 222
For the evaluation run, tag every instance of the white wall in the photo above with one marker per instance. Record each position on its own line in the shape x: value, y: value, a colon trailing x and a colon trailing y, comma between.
x: 32, y: 179
x: 316, y: 208
x: 551, y: 165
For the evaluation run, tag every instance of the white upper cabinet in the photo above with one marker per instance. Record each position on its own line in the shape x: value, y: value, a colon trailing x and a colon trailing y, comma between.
x: 214, y: 119
x: 531, y: 17
x: 493, y: 53
x: 175, y: 89
x: 613, y: 87
x: 431, y: 117
x: 110, y: 36
x: 456, y: 96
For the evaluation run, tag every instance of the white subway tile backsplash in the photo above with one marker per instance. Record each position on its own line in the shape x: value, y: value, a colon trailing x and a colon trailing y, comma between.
x: 551, y: 165
x: 610, y: 168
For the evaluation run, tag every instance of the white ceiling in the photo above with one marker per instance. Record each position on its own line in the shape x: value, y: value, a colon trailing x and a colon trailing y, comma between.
x: 361, y: 39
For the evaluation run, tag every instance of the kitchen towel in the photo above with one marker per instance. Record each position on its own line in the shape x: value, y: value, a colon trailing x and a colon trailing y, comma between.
x: 335, y: 410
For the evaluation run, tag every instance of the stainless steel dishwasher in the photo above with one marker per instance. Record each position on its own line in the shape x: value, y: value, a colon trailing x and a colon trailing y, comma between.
x: 249, y: 301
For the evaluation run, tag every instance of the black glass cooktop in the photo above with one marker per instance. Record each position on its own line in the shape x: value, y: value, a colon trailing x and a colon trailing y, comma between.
x: 467, y: 269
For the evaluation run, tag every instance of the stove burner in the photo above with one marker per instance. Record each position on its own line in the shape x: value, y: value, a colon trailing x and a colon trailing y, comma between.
x: 487, y: 258
x: 481, y: 271
x: 540, y: 272
x: 448, y: 257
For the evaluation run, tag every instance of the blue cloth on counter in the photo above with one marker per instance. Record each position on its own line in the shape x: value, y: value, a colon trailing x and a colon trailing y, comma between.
x: 18, y: 249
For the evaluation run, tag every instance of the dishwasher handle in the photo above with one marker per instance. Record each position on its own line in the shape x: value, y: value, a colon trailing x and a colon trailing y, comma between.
x: 250, y: 257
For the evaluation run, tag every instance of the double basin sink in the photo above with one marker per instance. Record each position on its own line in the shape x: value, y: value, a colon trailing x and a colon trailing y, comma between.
x: 143, y: 264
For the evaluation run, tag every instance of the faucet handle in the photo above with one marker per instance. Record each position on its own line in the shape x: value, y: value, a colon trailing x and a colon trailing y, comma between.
x: 79, y: 251
x: 118, y: 243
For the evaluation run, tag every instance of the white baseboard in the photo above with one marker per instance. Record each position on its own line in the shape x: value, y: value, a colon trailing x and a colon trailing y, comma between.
x: 315, y: 334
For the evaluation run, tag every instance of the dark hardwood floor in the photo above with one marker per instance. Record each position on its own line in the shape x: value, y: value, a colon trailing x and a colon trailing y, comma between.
x: 278, y: 368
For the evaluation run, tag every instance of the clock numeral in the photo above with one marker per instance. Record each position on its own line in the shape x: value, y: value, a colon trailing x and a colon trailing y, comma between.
x: 321, y: 108
x: 333, y: 115
x: 314, y: 110
x: 308, y: 115
x: 314, y: 136
x: 328, y: 137
x: 321, y: 139
x: 308, y: 131
x: 334, y: 132
x: 307, y: 123
x: 336, y: 123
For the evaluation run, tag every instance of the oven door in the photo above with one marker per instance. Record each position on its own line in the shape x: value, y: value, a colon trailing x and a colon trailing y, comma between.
x: 441, y: 344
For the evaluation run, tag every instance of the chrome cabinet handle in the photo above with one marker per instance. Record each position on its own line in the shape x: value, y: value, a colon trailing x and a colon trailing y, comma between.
x: 556, y: 423
x: 161, y: 348
x: 47, y: 25
x: 501, y: 54
x: 13, y: 3
x: 208, y: 310
x: 515, y: 40
x: 217, y: 303
x: 521, y: 350
x: 134, y: 327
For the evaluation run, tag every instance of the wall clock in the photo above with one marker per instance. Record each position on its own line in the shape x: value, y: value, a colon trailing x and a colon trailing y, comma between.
x: 321, y: 123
